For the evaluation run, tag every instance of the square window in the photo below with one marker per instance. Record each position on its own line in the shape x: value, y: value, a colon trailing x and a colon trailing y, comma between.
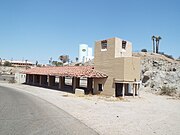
x: 124, y: 44
x: 104, y: 45
x: 100, y: 87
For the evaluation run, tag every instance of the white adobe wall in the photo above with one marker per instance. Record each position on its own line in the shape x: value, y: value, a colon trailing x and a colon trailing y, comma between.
x: 20, y: 78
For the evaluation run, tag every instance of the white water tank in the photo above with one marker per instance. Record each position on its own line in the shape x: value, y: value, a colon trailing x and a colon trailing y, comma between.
x: 90, y: 57
x: 83, y: 52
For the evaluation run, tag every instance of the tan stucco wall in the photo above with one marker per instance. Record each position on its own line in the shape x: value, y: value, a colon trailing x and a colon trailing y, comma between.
x: 119, y: 52
x: 108, y: 88
x: 132, y: 69
x: 115, y: 66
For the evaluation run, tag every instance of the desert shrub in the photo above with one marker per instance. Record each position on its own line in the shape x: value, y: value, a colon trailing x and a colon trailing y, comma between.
x: 144, y: 50
x: 7, y: 63
x: 169, y: 56
x: 56, y: 63
x: 12, y: 81
x: 38, y: 65
x: 170, y: 91
x: 161, y: 53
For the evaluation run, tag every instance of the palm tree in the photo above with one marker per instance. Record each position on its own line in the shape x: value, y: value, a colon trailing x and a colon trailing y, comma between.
x: 50, y: 61
x: 26, y: 63
x: 153, y: 37
x: 64, y: 58
x: 56, y: 63
x: 158, y: 38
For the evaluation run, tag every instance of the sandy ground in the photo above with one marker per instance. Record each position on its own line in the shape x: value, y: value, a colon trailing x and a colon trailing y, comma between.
x: 148, y: 114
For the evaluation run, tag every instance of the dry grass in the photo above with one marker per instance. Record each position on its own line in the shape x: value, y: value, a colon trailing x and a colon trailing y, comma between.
x: 12, y: 81
x: 169, y: 91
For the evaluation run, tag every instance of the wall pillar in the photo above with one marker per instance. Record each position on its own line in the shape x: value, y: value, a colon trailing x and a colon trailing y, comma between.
x: 40, y: 80
x: 77, y: 82
x: 123, y: 90
x: 136, y: 89
x: 74, y: 82
x: 27, y: 78
x: 90, y: 85
x: 139, y: 85
x: 48, y: 81
x: 133, y: 90
x: 61, y: 82
x: 51, y: 81
x: 34, y: 79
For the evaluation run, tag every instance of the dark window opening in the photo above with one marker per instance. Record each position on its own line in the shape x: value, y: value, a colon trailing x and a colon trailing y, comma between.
x: 118, y: 89
x: 100, y: 87
x: 104, y: 44
x: 124, y: 44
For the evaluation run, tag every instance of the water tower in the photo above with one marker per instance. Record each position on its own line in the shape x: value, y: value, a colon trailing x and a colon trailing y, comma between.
x: 83, y: 52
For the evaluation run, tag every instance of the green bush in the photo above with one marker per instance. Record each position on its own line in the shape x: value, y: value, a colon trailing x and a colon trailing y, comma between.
x: 56, y: 63
x: 170, y: 91
x: 144, y: 50
x: 7, y: 63
x: 169, y: 56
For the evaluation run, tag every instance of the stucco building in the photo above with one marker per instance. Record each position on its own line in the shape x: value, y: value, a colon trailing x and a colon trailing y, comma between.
x: 114, y: 57
x: 16, y: 63
x: 20, y: 78
x: 115, y: 73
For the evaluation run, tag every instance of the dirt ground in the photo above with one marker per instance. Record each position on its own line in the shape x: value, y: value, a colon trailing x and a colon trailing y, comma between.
x: 148, y: 114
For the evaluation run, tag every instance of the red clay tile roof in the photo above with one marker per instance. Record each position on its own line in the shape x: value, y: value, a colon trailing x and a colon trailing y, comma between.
x: 72, y: 71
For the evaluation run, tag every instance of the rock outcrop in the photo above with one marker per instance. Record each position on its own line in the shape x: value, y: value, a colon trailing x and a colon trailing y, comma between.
x: 10, y: 70
x: 158, y: 71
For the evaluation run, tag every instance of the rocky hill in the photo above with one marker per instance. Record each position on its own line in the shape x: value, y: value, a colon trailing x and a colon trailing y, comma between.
x: 8, y: 73
x: 159, y: 72
x: 4, y: 70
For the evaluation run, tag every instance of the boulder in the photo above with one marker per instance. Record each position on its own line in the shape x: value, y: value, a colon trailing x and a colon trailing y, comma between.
x: 79, y: 92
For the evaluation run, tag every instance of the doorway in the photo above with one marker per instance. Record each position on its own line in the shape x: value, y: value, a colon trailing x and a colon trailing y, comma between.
x: 118, y: 89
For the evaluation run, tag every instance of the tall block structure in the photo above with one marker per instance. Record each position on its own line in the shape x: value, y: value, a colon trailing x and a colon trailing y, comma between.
x: 85, y: 53
x: 114, y: 57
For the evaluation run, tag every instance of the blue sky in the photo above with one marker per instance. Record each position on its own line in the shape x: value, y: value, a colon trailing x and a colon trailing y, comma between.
x: 40, y: 29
